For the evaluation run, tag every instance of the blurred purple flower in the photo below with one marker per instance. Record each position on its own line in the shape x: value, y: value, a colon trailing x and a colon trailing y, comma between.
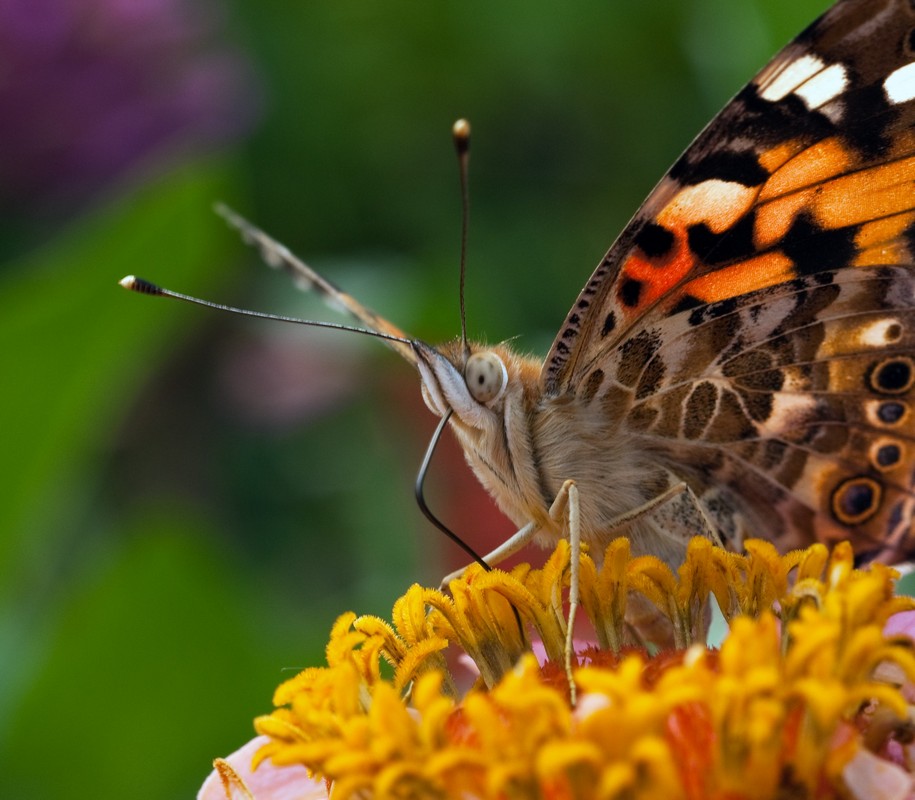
x: 90, y: 88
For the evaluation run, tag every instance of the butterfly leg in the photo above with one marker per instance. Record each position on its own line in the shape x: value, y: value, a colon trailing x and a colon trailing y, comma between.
x: 711, y: 530
x: 648, y: 506
x: 567, y: 504
x: 567, y: 507
x: 677, y: 515
x: 670, y: 493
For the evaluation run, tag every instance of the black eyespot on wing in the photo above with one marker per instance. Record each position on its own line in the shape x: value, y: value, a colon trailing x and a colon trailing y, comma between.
x: 741, y: 167
x: 813, y: 248
x: 609, y: 324
x: 856, y: 500
x: 870, y: 103
x: 891, y: 375
x: 890, y: 412
x: 734, y: 244
x: 630, y: 292
x: 893, y: 333
x: 654, y: 240
x: 888, y: 455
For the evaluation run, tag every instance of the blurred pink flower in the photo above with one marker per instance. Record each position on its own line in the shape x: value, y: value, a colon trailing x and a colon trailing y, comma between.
x: 266, y: 783
x: 90, y: 88
x: 901, y: 624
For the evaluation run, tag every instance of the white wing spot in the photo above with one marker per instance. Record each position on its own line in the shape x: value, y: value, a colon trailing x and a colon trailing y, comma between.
x: 716, y: 202
x: 900, y: 84
x: 790, y: 78
x: 880, y: 333
x: 823, y: 87
x: 787, y: 412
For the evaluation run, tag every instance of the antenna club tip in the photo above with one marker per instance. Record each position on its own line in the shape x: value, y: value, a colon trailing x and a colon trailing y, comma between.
x: 134, y: 284
x: 461, y: 133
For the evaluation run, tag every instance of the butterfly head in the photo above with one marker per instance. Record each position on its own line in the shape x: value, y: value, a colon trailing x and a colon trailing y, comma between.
x: 477, y: 387
x: 490, y: 391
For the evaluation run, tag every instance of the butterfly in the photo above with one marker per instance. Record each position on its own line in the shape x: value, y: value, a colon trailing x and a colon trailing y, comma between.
x: 742, y: 360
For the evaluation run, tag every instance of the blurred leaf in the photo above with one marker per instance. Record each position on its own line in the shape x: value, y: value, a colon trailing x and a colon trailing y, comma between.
x: 76, y: 346
x: 906, y: 585
x: 158, y: 664
x: 76, y: 350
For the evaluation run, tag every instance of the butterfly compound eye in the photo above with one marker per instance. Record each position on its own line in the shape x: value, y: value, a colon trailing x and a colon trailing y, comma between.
x: 486, y: 377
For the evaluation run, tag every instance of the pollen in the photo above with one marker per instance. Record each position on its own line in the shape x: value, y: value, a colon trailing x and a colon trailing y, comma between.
x: 791, y: 704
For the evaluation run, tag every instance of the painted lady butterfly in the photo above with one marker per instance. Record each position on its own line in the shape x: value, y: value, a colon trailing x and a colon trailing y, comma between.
x: 742, y: 361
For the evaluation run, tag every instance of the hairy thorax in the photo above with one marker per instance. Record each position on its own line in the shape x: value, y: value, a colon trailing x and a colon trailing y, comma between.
x: 524, y: 463
x: 612, y: 469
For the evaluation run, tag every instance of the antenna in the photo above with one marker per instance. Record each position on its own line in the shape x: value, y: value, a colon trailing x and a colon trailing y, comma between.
x: 460, y: 132
x: 134, y: 284
x: 141, y: 286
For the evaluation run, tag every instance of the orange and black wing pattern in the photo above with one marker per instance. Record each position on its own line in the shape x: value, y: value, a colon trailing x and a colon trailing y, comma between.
x: 755, y: 320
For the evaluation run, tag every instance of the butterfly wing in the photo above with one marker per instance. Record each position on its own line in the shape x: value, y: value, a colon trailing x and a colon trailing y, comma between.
x: 755, y: 320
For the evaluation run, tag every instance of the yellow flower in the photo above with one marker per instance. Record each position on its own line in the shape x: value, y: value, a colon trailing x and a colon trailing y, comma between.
x: 791, y: 705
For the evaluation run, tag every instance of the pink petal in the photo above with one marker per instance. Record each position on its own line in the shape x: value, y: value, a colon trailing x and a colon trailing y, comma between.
x: 539, y: 650
x: 901, y: 623
x: 266, y: 783
x: 869, y: 777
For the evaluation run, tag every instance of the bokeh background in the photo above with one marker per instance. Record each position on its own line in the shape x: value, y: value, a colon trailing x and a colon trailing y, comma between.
x: 188, y: 499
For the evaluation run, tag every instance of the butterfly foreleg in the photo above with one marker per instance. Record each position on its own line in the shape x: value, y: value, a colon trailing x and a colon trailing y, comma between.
x: 508, y: 548
x: 565, y: 507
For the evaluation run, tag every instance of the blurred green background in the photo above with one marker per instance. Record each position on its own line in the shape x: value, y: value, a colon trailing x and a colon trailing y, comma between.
x: 189, y: 499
